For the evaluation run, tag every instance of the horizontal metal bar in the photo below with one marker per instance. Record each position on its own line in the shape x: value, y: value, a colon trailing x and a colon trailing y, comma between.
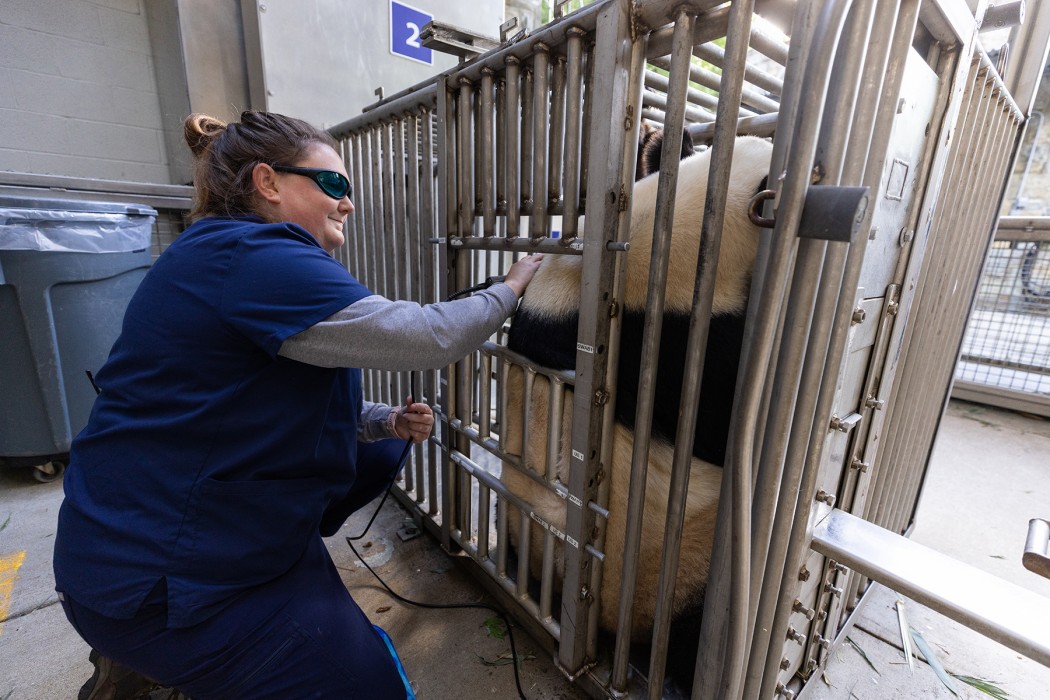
x: 1035, y: 547
x: 762, y: 125
x: 1023, y: 228
x: 157, y: 196
x: 1000, y: 610
x: 520, y: 245
x: 1028, y: 402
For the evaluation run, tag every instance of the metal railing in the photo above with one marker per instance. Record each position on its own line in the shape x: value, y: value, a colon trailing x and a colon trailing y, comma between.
x: 1005, y: 356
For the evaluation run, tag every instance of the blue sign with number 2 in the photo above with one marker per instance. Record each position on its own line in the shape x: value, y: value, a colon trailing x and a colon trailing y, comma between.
x: 405, y: 24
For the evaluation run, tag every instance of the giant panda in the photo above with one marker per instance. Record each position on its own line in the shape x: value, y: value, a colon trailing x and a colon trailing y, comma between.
x: 544, y: 330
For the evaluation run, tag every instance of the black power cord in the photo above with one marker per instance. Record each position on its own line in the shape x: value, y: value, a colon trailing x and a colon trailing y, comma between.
x: 401, y: 464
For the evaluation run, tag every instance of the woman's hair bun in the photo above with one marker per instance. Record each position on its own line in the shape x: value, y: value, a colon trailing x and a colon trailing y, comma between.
x: 200, y: 130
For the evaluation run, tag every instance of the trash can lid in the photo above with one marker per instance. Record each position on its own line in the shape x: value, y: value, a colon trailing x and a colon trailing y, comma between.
x: 74, y: 226
x: 48, y: 204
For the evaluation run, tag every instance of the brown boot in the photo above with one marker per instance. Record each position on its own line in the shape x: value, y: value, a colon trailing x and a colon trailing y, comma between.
x: 114, y: 681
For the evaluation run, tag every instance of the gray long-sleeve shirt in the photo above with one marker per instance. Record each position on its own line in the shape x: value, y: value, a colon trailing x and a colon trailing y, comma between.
x: 377, y: 333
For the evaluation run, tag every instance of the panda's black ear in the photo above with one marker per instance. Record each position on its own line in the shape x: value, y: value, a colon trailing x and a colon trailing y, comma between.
x: 687, y: 144
x: 763, y: 185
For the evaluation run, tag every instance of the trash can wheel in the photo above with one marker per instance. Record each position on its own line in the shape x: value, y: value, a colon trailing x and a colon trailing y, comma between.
x: 46, y: 473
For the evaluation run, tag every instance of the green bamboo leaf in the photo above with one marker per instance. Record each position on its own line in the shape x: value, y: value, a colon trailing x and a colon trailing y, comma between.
x: 934, y: 662
x: 986, y: 687
x: 863, y: 654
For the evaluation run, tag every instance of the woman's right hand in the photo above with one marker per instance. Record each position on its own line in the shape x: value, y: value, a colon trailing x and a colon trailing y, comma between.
x: 521, y: 273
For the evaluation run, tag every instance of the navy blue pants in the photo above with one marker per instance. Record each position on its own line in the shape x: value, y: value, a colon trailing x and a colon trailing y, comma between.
x: 298, y: 636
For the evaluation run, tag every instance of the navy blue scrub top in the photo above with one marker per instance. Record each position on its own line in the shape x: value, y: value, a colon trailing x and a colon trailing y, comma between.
x: 208, y: 459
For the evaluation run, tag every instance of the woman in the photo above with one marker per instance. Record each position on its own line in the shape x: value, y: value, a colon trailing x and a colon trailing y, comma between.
x: 229, y: 435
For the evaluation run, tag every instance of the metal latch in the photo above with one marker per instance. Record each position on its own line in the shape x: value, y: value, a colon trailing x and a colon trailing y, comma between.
x: 844, y: 425
x: 833, y: 213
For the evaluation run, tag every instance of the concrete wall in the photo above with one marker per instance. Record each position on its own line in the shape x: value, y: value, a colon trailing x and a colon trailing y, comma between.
x: 78, y: 94
x: 99, y: 88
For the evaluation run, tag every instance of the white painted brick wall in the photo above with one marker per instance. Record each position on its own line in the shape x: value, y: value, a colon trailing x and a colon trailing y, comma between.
x: 78, y: 94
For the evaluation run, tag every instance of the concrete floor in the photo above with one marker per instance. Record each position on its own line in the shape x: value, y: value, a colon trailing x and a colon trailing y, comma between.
x: 990, y: 474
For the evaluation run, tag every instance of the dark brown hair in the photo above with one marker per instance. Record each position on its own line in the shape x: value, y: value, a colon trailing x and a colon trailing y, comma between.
x: 225, y: 155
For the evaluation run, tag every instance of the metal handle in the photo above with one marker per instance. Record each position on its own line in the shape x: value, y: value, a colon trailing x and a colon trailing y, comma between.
x: 1035, y: 547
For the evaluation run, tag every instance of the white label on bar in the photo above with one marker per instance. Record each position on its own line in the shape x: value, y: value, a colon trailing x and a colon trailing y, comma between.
x: 573, y: 542
x: 585, y: 348
x: 577, y: 455
x: 576, y: 500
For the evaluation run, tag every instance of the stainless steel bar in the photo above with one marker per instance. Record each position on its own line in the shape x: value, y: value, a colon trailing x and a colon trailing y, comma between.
x: 1009, y: 614
x: 388, y: 281
x: 555, y: 404
x: 585, y: 140
x: 500, y: 146
x: 485, y: 395
x: 704, y: 286
x: 425, y: 97
x: 653, y: 99
x: 822, y: 368
x: 547, y: 576
x: 708, y: 102
x: 520, y: 245
x: 399, y: 237
x: 826, y: 28
x: 528, y: 395
x: 883, y: 75
x: 884, y: 459
x: 711, y: 24
x: 661, y: 247
x: 573, y: 121
x: 487, y: 171
x: 724, y: 626
x: 528, y: 131
x: 968, y: 165
x: 556, y: 137
x: 464, y: 159
x: 541, y: 116
x: 762, y: 125
x: 713, y: 53
x: 511, y: 148
x: 618, y: 51
x: 524, y: 546
x: 484, y: 513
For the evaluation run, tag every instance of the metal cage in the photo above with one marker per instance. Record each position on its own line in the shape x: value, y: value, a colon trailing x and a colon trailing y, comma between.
x: 892, y: 136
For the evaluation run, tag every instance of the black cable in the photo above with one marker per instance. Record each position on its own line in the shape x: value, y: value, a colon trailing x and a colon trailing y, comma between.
x: 401, y: 463
x: 452, y: 606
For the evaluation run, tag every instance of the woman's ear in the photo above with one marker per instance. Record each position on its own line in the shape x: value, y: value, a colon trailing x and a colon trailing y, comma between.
x: 265, y: 180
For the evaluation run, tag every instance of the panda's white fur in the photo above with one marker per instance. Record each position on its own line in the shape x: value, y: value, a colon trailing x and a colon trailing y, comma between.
x: 553, y: 295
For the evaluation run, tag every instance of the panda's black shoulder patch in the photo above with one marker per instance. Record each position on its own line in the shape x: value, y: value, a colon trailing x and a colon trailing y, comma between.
x: 550, y: 342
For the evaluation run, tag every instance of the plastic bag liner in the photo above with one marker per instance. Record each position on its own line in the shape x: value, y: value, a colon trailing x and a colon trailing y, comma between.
x: 73, y: 226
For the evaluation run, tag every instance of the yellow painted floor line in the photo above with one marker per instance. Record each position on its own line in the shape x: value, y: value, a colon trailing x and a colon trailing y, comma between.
x: 9, y: 566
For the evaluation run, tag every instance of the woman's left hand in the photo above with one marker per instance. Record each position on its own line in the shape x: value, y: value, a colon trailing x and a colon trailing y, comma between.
x: 413, y: 421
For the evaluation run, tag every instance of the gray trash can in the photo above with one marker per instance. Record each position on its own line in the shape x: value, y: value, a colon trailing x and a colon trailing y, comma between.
x: 67, y: 271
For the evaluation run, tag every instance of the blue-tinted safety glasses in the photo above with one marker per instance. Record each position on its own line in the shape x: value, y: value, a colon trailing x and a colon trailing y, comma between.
x: 333, y: 184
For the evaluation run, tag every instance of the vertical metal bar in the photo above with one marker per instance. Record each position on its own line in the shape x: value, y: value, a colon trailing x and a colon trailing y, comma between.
x: 465, y: 158
x: 585, y: 140
x: 446, y: 151
x: 524, y: 547
x: 574, y: 115
x: 556, y: 137
x: 502, y: 538
x: 527, y: 133
x: 555, y: 406
x: 511, y: 148
x: 499, y: 145
x: 601, y: 286
x: 661, y: 248
x: 484, y: 513
x: 540, y: 135
x: 739, y: 468
x: 547, y: 575
x: 487, y: 173
x: 485, y: 395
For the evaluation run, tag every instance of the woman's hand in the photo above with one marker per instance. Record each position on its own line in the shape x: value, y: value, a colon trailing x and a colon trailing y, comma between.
x: 520, y: 273
x: 413, y: 421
